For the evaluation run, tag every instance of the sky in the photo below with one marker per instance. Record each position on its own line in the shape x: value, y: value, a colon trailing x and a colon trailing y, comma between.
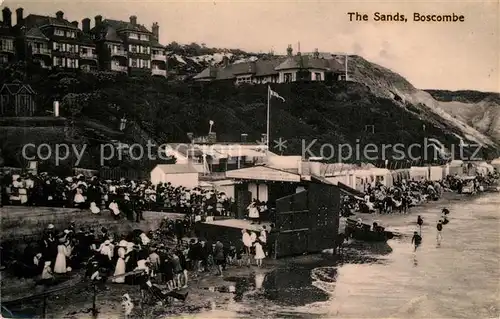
x: 451, y: 56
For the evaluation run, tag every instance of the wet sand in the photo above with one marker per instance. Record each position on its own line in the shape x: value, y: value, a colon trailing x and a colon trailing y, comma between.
x: 459, y: 279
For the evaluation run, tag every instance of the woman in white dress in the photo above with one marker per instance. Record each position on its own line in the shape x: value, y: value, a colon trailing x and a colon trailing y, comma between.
x: 259, y: 253
x: 79, y: 199
x: 94, y: 209
x: 253, y: 212
x: 62, y: 253
x: 120, y: 266
x: 114, y: 209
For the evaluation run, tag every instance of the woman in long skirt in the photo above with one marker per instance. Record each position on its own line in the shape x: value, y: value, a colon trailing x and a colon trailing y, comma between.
x: 62, y: 253
x: 120, y: 266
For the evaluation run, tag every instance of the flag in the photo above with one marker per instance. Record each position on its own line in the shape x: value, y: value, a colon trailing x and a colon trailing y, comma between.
x: 276, y: 95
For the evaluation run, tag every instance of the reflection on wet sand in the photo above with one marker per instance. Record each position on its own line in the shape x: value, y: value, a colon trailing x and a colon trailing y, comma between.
x: 459, y: 279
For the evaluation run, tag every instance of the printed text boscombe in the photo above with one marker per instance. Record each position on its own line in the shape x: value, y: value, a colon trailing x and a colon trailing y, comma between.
x: 437, y: 17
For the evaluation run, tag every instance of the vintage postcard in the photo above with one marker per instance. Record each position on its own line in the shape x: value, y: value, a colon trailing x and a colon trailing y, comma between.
x: 249, y: 159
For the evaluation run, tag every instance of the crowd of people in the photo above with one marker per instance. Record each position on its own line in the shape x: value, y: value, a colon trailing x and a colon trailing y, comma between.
x: 403, y: 195
x: 126, y: 198
x: 399, y: 197
x: 160, y: 258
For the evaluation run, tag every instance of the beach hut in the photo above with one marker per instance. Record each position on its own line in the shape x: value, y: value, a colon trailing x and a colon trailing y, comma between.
x: 382, y: 176
x: 496, y: 164
x: 436, y: 173
x: 456, y: 167
x: 418, y: 173
x: 362, y: 178
x: 401, y: 174
x: 185, y: 175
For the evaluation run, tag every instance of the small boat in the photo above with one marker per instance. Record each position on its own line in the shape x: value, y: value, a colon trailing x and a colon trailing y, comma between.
x: 365, y: 233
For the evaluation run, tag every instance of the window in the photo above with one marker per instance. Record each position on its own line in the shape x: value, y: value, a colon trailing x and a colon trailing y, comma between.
x: 72, y: 34
x: 7, y: 45
x: 4, y: 59
x: 71, y: 48
x: 133, y: 36
x: 288, y: 77
x: 317, y: 76
x: 58, y: 61
x: 134, y: 62
x: 72, y: 63
x: 59, y: 32
x: 144, y: 37
x: 133, y: 48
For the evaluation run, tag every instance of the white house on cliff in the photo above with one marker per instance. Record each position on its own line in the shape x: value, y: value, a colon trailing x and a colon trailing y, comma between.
x: 287, y: 69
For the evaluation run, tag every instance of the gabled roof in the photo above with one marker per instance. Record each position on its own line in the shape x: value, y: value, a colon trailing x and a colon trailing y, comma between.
x: 36, y: 33
x: 308, y: 62
x: 35, y: 20
x: 208, y: 73
x: 85, y: 39
x: 106, y: 32
x: 177, y: 168
x: 126, y: 26
x: 266, y: 67
x: 7, y: 32
x: 16, y: 88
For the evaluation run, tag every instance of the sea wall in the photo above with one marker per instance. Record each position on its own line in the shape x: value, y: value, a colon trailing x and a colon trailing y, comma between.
x: 22, y: 225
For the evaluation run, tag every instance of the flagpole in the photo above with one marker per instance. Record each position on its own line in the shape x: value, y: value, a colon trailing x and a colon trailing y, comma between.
x: 268, y: 115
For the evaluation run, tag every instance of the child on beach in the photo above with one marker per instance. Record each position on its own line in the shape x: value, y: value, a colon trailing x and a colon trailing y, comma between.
x: 416, y: 240
x: 439, y: 236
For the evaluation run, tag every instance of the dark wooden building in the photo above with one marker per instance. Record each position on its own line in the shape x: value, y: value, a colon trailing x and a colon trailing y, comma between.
x: 17, y: 100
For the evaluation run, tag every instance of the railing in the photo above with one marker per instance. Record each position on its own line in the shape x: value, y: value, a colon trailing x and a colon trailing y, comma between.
x: 118, y: 68
x: 40, y: 51
x: 160, y: 57
x: 7, y: 49
x: 159, y: 72
x: 119, y: 52
x: 88, y: 55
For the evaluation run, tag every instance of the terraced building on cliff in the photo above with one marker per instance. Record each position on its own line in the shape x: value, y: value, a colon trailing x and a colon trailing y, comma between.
x: 291, y: 68
x: 55, y: 42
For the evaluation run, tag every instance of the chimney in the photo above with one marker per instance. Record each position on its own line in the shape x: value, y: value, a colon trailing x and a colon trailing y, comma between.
x: 316, y: 54
x: 86, y: 25
x: 75, y: 23
x: 156, y: 30
x: 7, y: 17
x: 244, y: 137
x: 59, y: 15
x: 133, y: 20
x: 19, y: 15
x: 212, y: 138
x: 98, y: 20
x: 289, y: 51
